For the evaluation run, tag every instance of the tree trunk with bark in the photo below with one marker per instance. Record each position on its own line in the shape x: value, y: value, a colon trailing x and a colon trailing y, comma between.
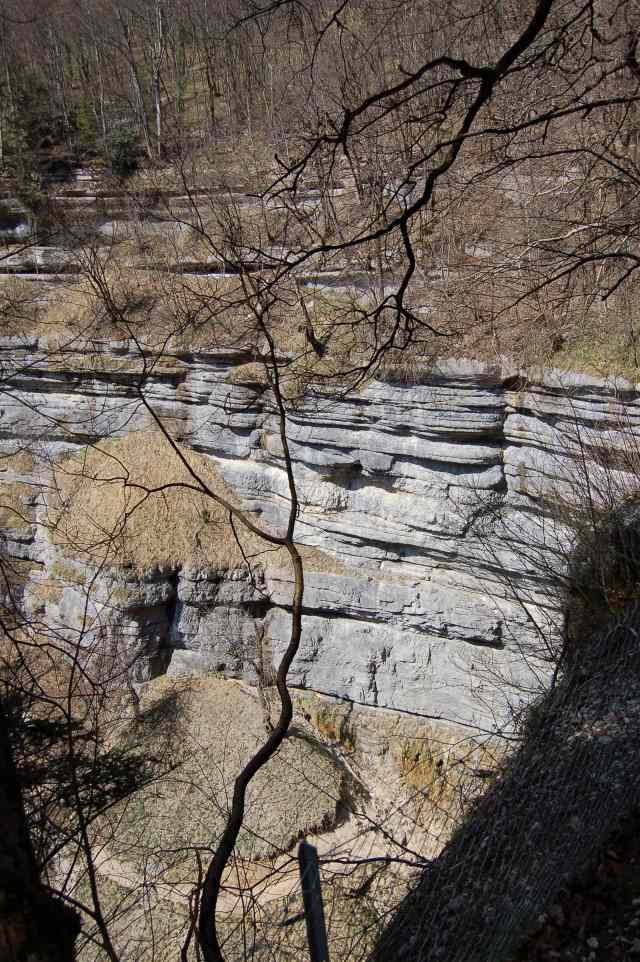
x: 34, y: 926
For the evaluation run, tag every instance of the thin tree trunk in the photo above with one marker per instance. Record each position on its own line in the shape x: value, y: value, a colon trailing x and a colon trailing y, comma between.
x: 137, y: 87
x: 103, y: 120
x: 208, y: 930
x: 11, y: 106
x: 59, y: 73
x: 181, y: 65
x: 157, y: 69
x: 211, y: 89
x: 34, y: 925
x: 158, y: 108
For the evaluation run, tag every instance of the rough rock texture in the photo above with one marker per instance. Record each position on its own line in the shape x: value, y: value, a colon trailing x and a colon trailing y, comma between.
x: 575, y: 777
x: 428, y: 497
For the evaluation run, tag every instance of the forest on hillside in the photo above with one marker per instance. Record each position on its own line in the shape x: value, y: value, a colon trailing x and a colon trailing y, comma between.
x: 219, y: 221
x: 502, y: 207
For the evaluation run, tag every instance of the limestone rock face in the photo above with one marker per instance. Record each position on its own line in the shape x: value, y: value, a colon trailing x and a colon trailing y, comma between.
x: 430, y: 504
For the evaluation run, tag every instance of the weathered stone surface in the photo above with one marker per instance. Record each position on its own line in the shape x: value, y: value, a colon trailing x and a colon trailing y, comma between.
x: 430, y: 502
x: 33, y: 259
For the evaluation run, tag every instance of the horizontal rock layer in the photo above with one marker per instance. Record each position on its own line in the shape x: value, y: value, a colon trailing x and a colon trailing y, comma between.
x: 431, y: 503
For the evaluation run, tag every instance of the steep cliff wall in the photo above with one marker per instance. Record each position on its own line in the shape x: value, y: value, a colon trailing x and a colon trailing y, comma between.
x: 426, y: 502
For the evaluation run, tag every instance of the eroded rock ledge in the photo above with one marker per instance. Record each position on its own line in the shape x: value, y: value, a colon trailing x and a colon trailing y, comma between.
x: 429, y: 504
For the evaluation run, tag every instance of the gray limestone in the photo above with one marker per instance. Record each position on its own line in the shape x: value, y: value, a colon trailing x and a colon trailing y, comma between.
x: 430, y: 503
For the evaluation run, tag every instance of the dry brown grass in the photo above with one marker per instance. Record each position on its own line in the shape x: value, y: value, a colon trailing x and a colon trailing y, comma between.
x: 132, y: 296
x: 207, y: 727
x: 143, y: 927
x: 130, y: 501
x: 47, y: 591
x: 252, y: 374
x: 224, y: 228
x: 346, y: 344
x: 22, y: 306
x: 15, y: 509
x: 165, y: 312
x: 169, y: 314
x: 18, y: 461
x: 476, y: 253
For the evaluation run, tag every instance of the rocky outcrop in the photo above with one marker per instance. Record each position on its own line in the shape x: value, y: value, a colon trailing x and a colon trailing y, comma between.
x: 549, y: 814
x: 430, y: 503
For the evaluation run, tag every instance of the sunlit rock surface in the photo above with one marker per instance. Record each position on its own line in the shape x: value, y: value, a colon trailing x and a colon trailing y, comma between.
x: 432, y: 503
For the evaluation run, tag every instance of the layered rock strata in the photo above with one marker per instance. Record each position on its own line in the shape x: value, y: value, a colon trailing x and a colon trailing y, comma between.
x: 432, y: 504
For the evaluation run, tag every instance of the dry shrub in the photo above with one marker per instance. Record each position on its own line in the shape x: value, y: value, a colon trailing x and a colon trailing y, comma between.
x: 207, y: 728
x: 604, y: 572
x: 132, y: 500
x: 252, y: 375
x: 15, y: 507
x: 21, y: 306
x: 18, y: 460
x: 226, y: 228
x: 407, y: 367
x: 210, y: 311
x: 166, y: 312
x: 115, y: 298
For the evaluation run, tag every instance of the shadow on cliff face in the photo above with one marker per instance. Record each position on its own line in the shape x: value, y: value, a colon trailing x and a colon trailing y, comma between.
x: 556, y: 801
x: 604, y: 573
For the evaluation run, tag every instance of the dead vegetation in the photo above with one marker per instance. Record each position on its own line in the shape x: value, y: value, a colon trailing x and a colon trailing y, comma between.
x: 204, y: 728
x: 22, y: 307
x: 118, y: 501
x: 121, y: 498
x: 17, y: 459
x: 16, y: 504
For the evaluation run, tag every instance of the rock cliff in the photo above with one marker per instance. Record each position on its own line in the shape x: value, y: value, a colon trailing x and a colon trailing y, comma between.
x: 428, y: 504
